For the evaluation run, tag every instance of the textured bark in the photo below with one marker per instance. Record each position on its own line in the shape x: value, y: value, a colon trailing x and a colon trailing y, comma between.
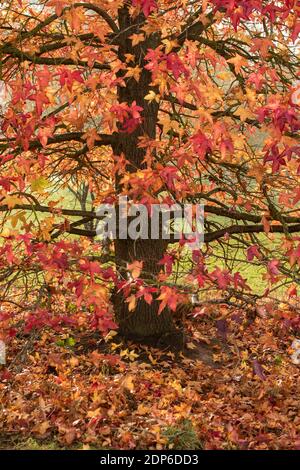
x: 143, y: 324
x: 144, y: 321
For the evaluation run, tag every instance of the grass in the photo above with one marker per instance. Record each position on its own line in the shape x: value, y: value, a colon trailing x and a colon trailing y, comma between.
x: 234, y: 259
x: 182, y: 436
x: 252, y: 272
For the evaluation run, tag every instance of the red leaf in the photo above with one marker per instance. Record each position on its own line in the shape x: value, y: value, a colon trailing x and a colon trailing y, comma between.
x: 201, y: 144
x: 252, y: 252
x: 147, y: 5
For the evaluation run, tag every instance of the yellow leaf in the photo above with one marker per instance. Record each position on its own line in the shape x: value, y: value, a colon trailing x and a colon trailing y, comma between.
x: 136, y: 38
x: 134, y: 72
x: 16, y: 218
x: 191, y: 346
x: 127, y: 383
x: 39, y: 184
x: 12, y: 201
x: 153, y: 361
x: 94, y: 413
x: 5, y: 233
x: 152, y: 96
x: 251, y: 96
x: 46, y: 227
x: 135, y: 268
x: 132, y: 355
x: 176, y: 385
x: 74, y: 362
x: 110, y: 335
x: 169, y: 124
x: 115, y: 346
x: 131, y: 303
x: 238, y: 62
x: 142, y: 410
x: 129, y: 58
x: 243, y: 113
x: 129, y: 354
x: 169, y: 45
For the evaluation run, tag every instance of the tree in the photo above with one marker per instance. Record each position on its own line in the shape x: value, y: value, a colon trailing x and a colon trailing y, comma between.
x: 162, y: 102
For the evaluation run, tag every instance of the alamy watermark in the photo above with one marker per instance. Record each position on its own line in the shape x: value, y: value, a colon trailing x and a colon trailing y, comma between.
x: 2, y: 353
x: 296, y: 93
x: 128, y: 220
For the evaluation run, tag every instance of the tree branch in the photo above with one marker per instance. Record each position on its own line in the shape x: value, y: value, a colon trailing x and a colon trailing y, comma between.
x: 22, y: 56
x: 105, y: 139
x: 240, y: 229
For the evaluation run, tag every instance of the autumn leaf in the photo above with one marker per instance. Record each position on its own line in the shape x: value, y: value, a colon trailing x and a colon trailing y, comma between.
x: 169, y: 45
x: 134, y: 72
x: 58, y: 4
x: 42, y: 428
x: 147, y: 5
x: 12, y: 201
x: 152, y: 96
x: 243, y: 113
x: 258, y: 370
x: 169, y: 298
x: 128, y: 383
x: 39, y: 184
x: 137, y: 38
x: 135, y: 268
x: 131, y: 302
x: 238, y: 62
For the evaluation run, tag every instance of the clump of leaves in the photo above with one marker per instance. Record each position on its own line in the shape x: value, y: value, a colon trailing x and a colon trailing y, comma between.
x: 182, y: 436
x: 33, y: 444
x: 68, y: 342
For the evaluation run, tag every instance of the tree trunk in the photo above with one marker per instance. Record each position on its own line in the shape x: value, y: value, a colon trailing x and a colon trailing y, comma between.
x: 144, y: 323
